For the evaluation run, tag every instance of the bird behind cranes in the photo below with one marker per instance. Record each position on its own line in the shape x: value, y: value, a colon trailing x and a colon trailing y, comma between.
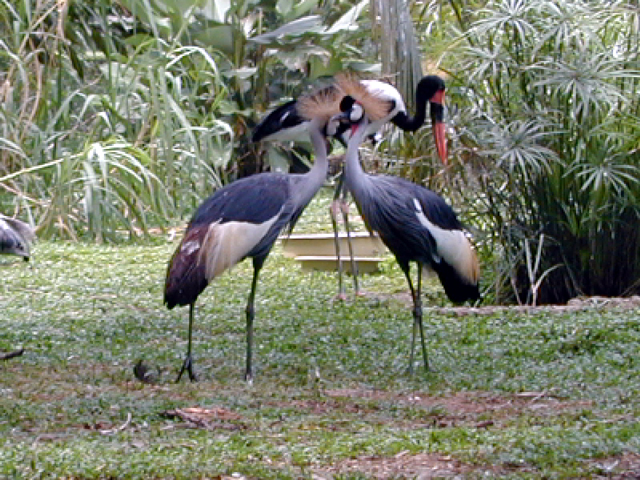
x: 285, y: 124
x: 15, y: 237
x: 244, y: 220
x: 415, y: 224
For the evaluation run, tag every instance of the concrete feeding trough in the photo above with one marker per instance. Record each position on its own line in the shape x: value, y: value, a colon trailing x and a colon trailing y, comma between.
x: 316, y: 251
x: 330, y: 263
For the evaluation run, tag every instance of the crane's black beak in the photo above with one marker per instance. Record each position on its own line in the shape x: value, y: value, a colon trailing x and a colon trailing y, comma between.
x: 438, y: 126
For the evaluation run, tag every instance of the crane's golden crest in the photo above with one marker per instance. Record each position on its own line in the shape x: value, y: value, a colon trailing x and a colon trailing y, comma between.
x: 323, y: 103
x: 374, y: 106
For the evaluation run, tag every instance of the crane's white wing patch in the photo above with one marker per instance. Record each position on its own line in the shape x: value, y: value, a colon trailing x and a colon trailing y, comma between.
x: 227, y: 243
x: 452, y: 246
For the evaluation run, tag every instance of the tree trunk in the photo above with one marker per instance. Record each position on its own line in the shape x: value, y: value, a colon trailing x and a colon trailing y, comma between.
x: 399, y: 50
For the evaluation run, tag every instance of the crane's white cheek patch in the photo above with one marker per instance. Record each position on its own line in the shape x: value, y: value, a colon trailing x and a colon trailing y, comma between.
x: 227, y: 243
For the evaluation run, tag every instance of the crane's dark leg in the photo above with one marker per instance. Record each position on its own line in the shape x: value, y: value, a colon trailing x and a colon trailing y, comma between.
x: 250, y: 310
x: 417, y: 317
x: 188, y: 361
x: 354, y: 265
x: 336, y: 238
x: 340, y: 203
x: 407, y: 274
x: 418, y: 303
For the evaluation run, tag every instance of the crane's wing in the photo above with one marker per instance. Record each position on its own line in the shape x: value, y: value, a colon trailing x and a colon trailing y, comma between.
x: 243, y: 219
x: 389, y: 210
x: 284, y: 123
x: 416, y: 224
x: 254, y: 199
x: 435, y: 208
x: 456, y: 262
x: 22, y: 228
x: 15, y: 236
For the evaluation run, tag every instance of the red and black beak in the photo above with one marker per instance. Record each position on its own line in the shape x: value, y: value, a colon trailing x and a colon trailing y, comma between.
x: 437, y: 124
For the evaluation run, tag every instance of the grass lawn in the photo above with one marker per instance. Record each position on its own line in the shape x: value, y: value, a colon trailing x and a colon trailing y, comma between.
x: 540, y: 394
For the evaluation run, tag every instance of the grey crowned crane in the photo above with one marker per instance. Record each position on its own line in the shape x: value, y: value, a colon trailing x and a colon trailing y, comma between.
x: 415, y: 224
x: 285, y: 124
x: 244, y: 220
x: 15, y: 237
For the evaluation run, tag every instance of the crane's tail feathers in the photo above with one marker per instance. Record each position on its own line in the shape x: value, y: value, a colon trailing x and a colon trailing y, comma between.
x: 24, y: 229
x: 206, y: 251
x: 186, y: 277
x: 375, y: 106
x: 459, y: 271
x: 15, y: 236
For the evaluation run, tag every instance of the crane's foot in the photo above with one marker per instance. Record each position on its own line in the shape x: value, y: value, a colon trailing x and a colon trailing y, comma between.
x: 411, y: 369
x: 341, y: 297
x: 187, y: 366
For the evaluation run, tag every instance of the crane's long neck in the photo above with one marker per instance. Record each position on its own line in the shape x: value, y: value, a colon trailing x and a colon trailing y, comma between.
x: 314, y: 178
x: 354, y: 176
x: 411, y: 124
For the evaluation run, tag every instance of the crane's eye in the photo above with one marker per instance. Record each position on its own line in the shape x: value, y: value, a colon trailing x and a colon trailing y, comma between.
x: 357, y: 112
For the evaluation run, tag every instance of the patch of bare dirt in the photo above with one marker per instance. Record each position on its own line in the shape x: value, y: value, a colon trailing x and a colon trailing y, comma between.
x: 626, y: 466
x: 430, y: 465
x: 483, y: 409
x: 405, y: 465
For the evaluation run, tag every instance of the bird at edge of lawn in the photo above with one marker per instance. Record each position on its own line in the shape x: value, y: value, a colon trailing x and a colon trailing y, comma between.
x: 15, y: 237
x: 243, y: 220
x: 415, y: 224
x: 285, y: 124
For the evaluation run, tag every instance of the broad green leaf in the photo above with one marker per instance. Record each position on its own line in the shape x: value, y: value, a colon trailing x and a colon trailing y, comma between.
x: 219, y: 37
x: 284, y: 7
x: 215, y: 10
x: 277, y: 161
x: 300, y: 26
x: 349, y: 20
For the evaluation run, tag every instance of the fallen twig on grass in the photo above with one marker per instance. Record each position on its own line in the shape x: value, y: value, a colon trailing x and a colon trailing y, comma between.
x: 120, y: 428
x: 207, y: 418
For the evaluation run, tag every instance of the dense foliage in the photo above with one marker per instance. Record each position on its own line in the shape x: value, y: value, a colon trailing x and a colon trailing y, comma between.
x: 119, y: 117
x: 553, y: 393
x: 550, y: 119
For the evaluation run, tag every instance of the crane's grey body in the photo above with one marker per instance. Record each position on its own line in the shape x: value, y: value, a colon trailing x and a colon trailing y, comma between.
x: 417, y: 226
x: 241, y: 220
x: 15, y: 237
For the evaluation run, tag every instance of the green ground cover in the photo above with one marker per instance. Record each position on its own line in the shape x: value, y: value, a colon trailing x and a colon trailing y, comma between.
x: 538, y: 394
